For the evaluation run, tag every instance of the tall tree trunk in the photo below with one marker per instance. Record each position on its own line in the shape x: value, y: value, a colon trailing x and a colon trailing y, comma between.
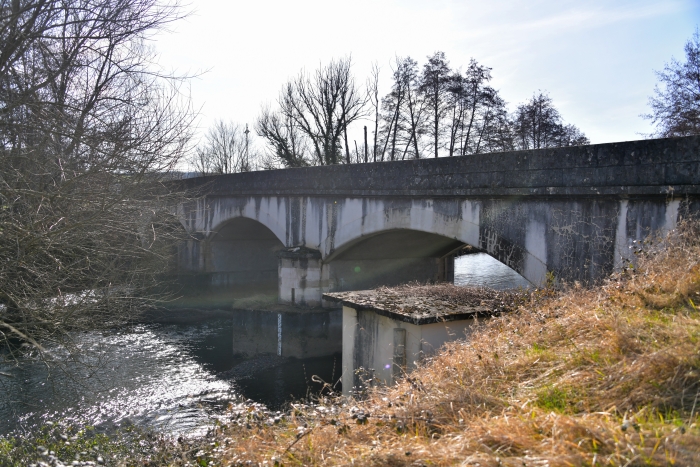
x: 345, y: 136
x: 437, y: 105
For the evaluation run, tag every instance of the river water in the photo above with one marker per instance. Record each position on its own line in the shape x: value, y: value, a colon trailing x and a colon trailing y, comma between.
x: 176, y: 377
x: 481, y: 269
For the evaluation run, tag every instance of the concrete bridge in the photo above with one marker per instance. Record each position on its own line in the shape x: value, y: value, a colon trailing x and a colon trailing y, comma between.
x: 550, y: 214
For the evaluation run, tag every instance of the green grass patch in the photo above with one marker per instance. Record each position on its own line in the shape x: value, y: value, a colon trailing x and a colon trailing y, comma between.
x: 557, y: 399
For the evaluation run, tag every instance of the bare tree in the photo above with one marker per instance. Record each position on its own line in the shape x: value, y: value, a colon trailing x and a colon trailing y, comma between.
x: 470, y: 104
x: 496, y: 134
x: 88, y: 132
x: 391, y: 112
x: 353, y: 102
x: 403, y: 112
x: 537, y: 124
x: 375, y: 102
x: 322, y: 106
x: 435, y: 81
x: 225, y: 149
x: 287, y: 145
x: 414, y: 113
x: 675, y: 108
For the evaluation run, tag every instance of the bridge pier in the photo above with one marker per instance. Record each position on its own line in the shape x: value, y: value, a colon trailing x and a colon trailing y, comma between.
x: 301, y: 276
x: 446, y: 269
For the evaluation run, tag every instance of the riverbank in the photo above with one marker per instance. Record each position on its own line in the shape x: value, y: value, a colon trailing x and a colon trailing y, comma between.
x: 601, y: 376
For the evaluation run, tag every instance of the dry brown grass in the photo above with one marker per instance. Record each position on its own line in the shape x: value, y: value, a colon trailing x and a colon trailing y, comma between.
x: 603, y: 376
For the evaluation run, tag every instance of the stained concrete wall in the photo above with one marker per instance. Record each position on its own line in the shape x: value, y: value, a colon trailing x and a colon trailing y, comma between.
x: 575, y: 239
x: 369, y: 342
x: 571, y: 212
x: 302, y: 278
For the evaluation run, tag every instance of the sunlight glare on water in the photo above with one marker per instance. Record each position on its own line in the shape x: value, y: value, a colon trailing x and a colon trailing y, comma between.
x: 141, y: 377
x: 174, y: 377
x: 480, y: 269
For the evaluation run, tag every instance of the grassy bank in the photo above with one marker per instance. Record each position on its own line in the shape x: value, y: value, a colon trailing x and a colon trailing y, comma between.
x: 586, y: 376
x: 601, y: 376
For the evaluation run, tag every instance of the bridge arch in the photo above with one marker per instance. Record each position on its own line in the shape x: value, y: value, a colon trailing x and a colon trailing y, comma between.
x: 460, y: 221
x: 240, y: 257
x: 457, y: 220
x: 392, y: 257
x: 267, y: 211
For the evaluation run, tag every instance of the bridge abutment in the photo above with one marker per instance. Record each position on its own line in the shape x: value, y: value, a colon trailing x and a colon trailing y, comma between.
x: 301, y: 276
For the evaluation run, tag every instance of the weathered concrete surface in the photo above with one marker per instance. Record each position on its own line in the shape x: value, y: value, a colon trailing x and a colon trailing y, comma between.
x: 633, y: 168
x: 566, y: 213
x: 371, y: 349
x: 385, y: 335
x: 387, y: 331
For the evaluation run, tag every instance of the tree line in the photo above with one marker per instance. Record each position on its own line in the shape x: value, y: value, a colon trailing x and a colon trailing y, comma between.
x: 431, y: 110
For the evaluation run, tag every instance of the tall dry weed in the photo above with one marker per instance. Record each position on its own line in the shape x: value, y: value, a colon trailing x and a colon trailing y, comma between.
x: 601, y: 376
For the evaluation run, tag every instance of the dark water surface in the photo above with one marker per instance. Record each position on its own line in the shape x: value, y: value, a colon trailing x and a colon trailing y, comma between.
x: 176, y: 377
x: 164, y: 376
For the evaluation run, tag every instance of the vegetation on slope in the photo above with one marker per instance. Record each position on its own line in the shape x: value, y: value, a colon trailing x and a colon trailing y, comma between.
x: 602, y: 376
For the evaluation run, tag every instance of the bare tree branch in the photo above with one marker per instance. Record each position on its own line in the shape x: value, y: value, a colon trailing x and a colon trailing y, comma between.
x: 89, y: 131
x: 675, y: 107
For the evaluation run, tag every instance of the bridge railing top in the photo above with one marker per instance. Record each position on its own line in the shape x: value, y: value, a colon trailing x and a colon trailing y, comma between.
x: 670, y: 165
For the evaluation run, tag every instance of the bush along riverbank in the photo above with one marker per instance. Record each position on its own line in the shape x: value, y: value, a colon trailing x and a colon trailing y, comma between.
x: 586, y: 376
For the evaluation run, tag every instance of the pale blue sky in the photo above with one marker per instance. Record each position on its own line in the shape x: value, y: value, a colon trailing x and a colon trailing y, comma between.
x: 595, y: 58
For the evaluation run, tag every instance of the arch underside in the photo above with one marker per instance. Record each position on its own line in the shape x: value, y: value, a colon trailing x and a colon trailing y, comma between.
x: 240, y: 258
x: 391, y: 257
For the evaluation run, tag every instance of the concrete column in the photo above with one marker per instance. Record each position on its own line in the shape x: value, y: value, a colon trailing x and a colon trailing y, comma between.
x: 446, y: 269
x: 301, y: 276
x: 349, y: 330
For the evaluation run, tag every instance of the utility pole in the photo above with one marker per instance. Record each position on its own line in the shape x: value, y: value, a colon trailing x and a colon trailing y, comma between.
x: 247, y: 162
x: 366, y: 145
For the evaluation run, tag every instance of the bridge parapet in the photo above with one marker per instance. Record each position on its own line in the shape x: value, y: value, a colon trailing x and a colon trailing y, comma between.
x: 646, y: 167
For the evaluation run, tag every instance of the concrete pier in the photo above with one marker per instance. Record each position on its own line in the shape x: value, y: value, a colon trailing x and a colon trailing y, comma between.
x: 386, y: 333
